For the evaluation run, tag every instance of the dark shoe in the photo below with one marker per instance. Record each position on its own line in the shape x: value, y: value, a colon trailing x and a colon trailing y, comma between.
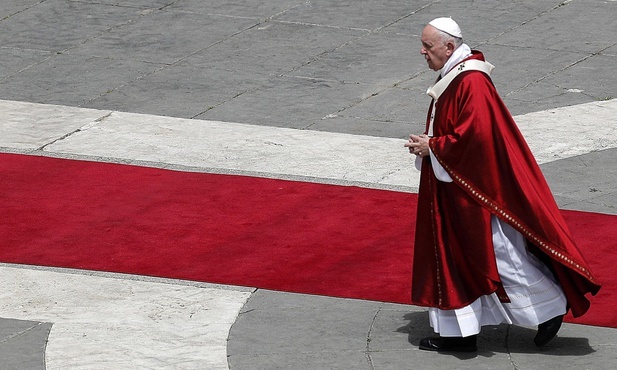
x: 449, y: 344
x: 547, y: 330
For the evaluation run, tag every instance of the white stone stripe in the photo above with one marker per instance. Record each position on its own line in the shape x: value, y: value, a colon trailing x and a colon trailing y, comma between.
x: 570, y: 131
x: 208, y: 144
x: 110, y: 323
x: 277, y: 152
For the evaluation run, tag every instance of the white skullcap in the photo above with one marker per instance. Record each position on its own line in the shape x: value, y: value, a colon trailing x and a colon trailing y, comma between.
x: 447, y: 25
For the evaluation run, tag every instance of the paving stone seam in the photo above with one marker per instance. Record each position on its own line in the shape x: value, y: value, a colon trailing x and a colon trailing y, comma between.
x: 162, y: 65
x: 20, y: 333
x: 28, y: 7
x: 369, y: 338
x: 426, y: 6
x: 552, y: 73
x: 9, y: 75
x: 369, y: 96
x: 541, y: 14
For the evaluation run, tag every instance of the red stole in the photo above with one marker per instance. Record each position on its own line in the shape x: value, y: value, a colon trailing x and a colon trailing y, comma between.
x: 478, y: 143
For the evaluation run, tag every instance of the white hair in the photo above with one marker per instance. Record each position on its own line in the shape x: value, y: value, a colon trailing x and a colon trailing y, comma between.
x: 446, y: 37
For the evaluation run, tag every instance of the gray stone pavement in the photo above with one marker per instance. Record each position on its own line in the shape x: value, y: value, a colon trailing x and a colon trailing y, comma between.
x: 337, y: 66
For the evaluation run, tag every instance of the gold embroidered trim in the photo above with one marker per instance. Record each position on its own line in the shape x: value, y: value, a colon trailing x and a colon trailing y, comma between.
x: 495, y: 209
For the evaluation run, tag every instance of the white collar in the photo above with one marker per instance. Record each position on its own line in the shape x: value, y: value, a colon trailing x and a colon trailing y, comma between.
x: 461, y: 53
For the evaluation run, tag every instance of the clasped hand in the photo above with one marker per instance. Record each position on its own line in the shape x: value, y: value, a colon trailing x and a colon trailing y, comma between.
x: 418, y: 145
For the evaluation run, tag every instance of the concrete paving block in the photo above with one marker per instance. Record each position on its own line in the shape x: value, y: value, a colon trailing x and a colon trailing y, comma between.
x: 603, y: 207
x: 421, y: 81
x: 541, y: 96
x: 366, y: 126
x: 13, y: 328
x: 585, y: 191
x: 612, y: 51
x: 605, y: 203
x: 571, y: 340
x: 22, y: 344
x: 180, y: 90
x: 601, y: 204
x: 57, y: 25
x: 479, y: 21
x: 404, y: 106
x: 494, y: 338
x: 378, y: 59
x: 360, y: 14
x: 72, y: 79
x: 418, y: 359
x: 589, y: 77
x: 599, y: 338
x: 464, y: 361
x: 575, y: 179
x: 514, y: 68
x: 9, y: 8
x: 289, y: 102
x: 600, y: 361
x: 313, y: 324
x: 591, y: 32
x: 245, y: 9
x: 145, y: 4
x: 178, y: 35
x: 275, y: 47
x: 299, y: 360
x: 487, y: 20
x: 13, y: 61
x: 575, y: 347
x: 398, y: 327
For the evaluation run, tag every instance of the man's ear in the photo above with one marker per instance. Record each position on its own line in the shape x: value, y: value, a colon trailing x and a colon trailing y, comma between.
x: 450, y: 48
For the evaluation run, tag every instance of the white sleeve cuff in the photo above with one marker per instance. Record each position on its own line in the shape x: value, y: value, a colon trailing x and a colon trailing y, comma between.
x: 440, y: 173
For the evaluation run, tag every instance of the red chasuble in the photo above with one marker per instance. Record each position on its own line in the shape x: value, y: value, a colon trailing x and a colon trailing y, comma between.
x: 494, y: 173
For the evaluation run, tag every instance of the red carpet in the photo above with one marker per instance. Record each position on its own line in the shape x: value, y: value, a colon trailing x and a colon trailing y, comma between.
x: 282, y: 235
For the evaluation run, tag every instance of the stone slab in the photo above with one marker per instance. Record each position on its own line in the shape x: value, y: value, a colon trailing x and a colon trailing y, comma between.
x: 224, y: 147
x: 29, y: 126
x: 589, y: 30
x: 58, y: 25
x: 185, y: 33
x: 105, y: 322
x: 72, y: 80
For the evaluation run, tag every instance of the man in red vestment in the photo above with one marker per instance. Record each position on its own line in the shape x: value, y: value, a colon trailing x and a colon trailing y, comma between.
x: 491, y: 245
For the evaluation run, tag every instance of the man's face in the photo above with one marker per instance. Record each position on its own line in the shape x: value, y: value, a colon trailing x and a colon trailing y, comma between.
x: 435, y: 51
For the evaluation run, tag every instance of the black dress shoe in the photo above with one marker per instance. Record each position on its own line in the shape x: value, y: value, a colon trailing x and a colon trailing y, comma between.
x: 547, y: 330
x: 449, y: 344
